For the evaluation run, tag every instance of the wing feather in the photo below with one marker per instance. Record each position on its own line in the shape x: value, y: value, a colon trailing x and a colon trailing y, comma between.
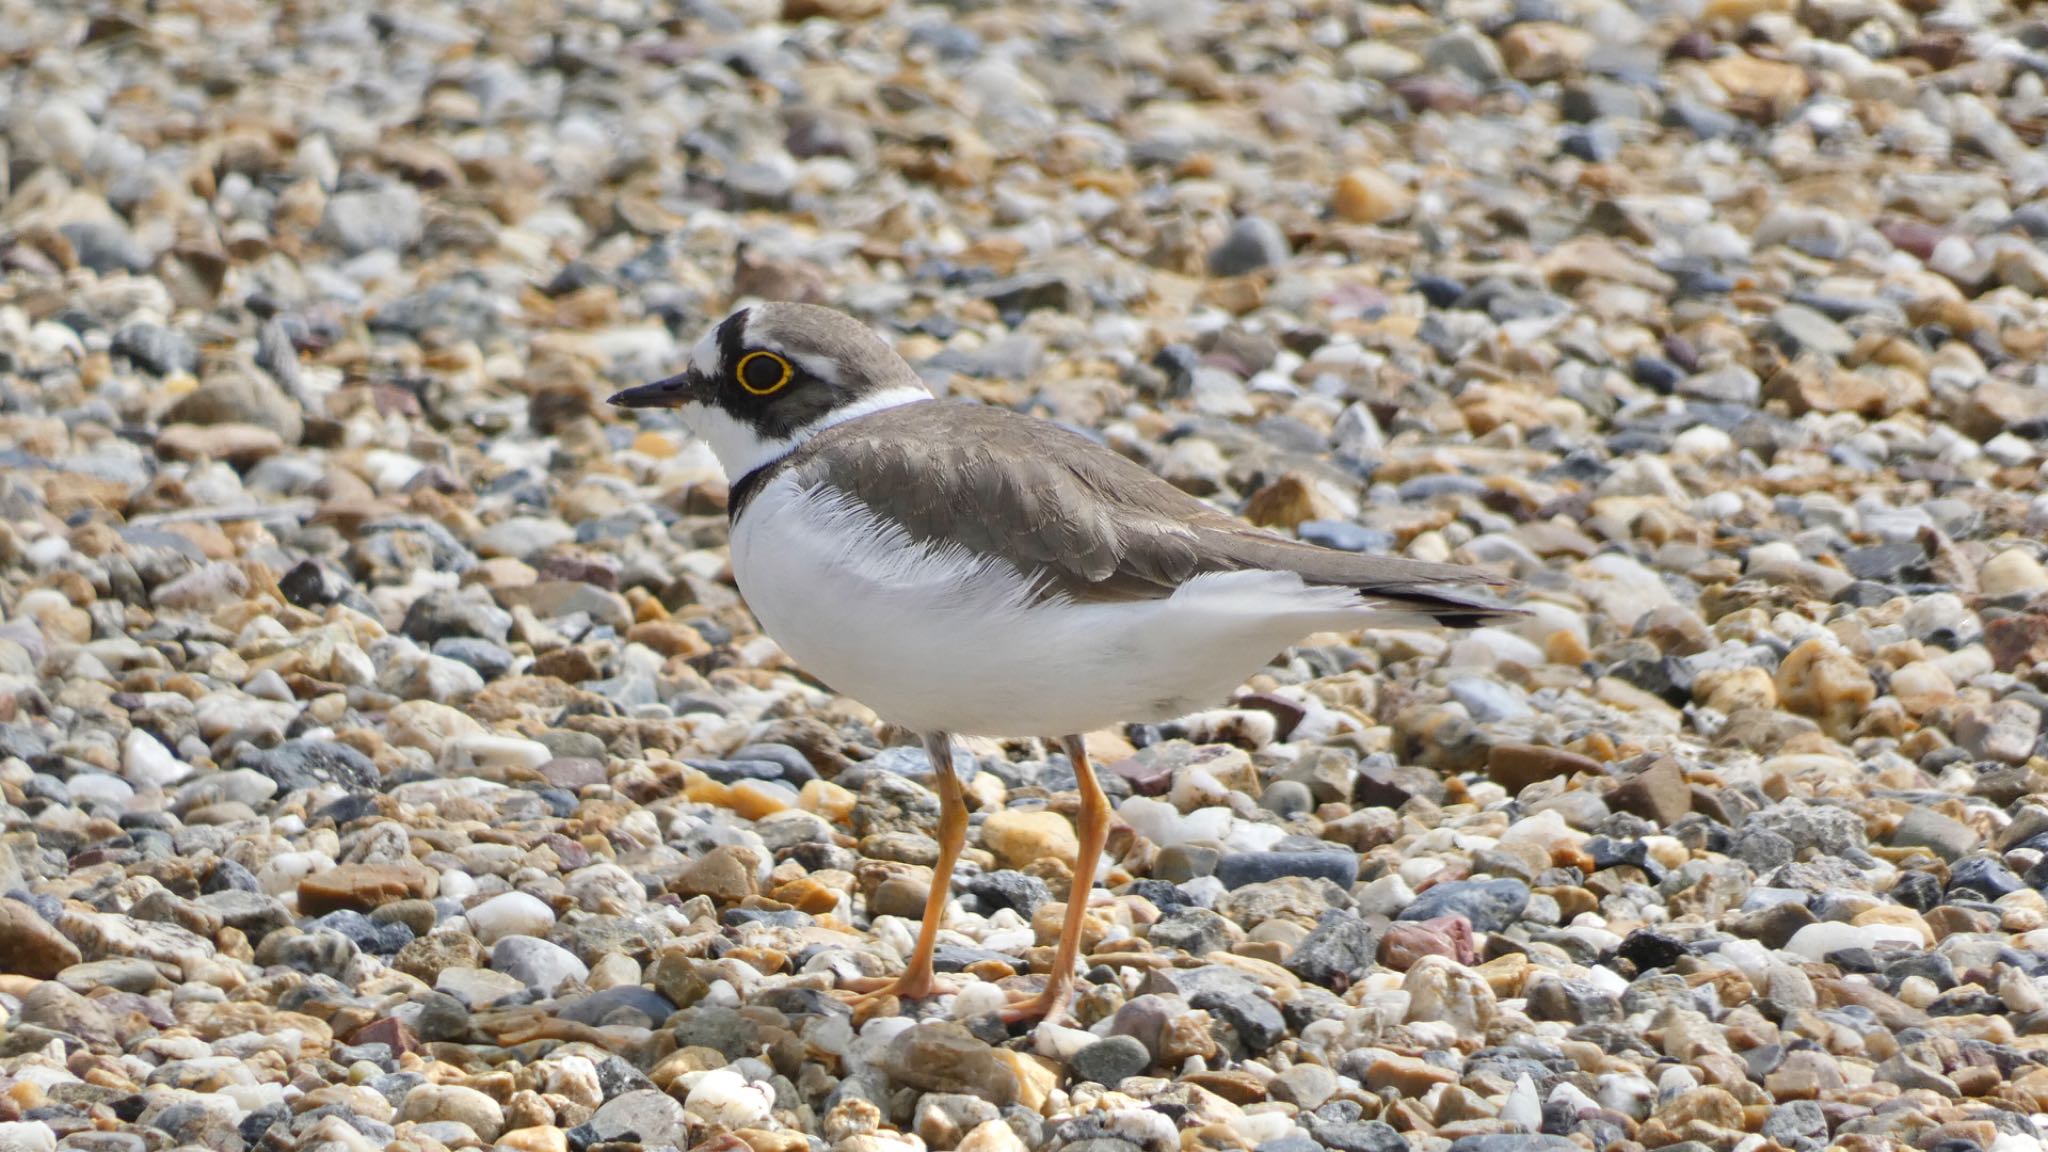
x: 1097, y: 526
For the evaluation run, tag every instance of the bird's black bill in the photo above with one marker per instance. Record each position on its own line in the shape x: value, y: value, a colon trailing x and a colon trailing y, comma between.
x: 669, y: 393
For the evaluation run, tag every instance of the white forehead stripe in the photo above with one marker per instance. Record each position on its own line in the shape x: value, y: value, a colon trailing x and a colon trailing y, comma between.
x: 704, y: 354
x: 823, y: 368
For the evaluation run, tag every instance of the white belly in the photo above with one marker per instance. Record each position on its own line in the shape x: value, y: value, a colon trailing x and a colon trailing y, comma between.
x: 938, y: 639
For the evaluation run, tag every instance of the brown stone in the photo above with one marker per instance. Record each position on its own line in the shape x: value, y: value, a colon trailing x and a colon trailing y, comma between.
x: 239, y: 444
x: 1239, y: 1088
x: 670, y: 638
x: 2017, y: 641
x: 1572, y: 902
x: 798, y: 10
x: 1806, y: 385
x: 1018, y: 837
x: 942, y: 1056
x: 1370, y: 196
x: 1288, y: 501
x: 1998, y: 404
x: 1408, y: 941
x: 1804, y: 1076
x: 1820, y: 680
x: 1408, y: 1075
x: 1763, y: 89
x: 1540, y: 50
x: 31, y: 945
x: 362, y: 887
x: 727, y: 874
x: 676, y: 976
x: 1658, y: 793
x: 574, y: 664
x: 1516, y: 766
x: 425, y: 956
x: 1948, y: 920
x: 387, y: 1030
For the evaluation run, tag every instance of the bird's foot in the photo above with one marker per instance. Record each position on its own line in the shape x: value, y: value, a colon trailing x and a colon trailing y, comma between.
x: 1052, y: 1005
x: 909, y: 986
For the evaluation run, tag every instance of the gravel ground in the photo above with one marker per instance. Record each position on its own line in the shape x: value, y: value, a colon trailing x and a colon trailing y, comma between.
x: 388, y: 761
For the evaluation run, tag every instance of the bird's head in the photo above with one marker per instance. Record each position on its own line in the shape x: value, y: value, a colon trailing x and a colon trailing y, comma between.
x: 770, y: 376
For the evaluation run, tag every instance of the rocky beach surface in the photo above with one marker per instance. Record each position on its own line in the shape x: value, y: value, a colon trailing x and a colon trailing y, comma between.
x: 387, y: 760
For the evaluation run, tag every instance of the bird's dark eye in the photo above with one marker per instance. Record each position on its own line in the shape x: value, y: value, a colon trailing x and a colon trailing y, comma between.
x: 763, y: 373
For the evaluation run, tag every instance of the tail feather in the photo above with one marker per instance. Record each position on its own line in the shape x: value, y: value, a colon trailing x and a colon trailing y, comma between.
x: 1449, y: 594
x: 1448, y: 606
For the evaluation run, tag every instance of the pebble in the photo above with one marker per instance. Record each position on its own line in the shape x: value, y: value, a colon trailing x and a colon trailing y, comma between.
x: 1111, y: 1061
x: 509, y: 914
x: 538, y: 964
x: 725, y: 1099
x: 1252, y: 243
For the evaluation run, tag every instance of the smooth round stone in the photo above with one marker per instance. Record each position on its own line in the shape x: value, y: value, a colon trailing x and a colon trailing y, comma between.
x: 99, y: 788
x: 1817, y: 941
x: 539, y: 964
x: 1288, y: 799
x: 1239, y: 869
x: 509, y: 914
x: 625, y: 998
x: 1183, y: 862
x: 1111, y: 1061
x: 1251, y: 244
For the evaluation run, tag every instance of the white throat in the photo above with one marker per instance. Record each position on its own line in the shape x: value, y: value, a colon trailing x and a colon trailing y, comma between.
x: 741, y: 448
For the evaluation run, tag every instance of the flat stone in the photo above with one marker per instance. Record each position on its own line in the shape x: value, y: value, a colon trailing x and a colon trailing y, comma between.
x: 364, y: 887
x: 1926, y: 828
x: 1488, y: 905
x: 1516, y: 766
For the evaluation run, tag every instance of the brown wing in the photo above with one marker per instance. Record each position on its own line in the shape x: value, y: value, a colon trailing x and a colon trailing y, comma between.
x: 1100, y: 527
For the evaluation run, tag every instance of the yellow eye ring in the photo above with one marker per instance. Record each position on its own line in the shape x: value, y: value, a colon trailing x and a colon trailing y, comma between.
x: 740, y: 373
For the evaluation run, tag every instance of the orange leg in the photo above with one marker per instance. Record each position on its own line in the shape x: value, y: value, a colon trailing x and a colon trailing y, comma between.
x: 919, y: 980
x: 1052, y: 1003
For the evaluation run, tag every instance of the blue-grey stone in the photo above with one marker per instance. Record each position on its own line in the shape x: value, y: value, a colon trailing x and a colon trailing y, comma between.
x: 1490, y: 905
x: 156, y: 349
x: 1513, y: 1142
x: 1254, y: 1018
x: 1252, y: 243
x: 1241, y: 868
x: 1111, y: 1061
x: 1344, y: 536
x: 1489, y: 700
x: 383, y: 938
x: 1338, y: 951
x: 490, y: 660
x: 1357, y: 1135
x: 297, y: 764
x: 593, y: 1009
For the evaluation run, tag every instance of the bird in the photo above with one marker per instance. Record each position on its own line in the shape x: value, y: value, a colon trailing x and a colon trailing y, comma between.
x: 965, y: 570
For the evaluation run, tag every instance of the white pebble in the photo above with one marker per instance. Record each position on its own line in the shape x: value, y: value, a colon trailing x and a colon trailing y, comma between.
x: 145, y: 761
x: 510, y: 914
x: 1522, y: 1109
x: 1815, y: 941
x: 493, y: 754
x: 724, y: 1099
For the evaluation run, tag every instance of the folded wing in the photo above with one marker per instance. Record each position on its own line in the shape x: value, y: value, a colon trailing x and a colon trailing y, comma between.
x: 1097, y: 526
